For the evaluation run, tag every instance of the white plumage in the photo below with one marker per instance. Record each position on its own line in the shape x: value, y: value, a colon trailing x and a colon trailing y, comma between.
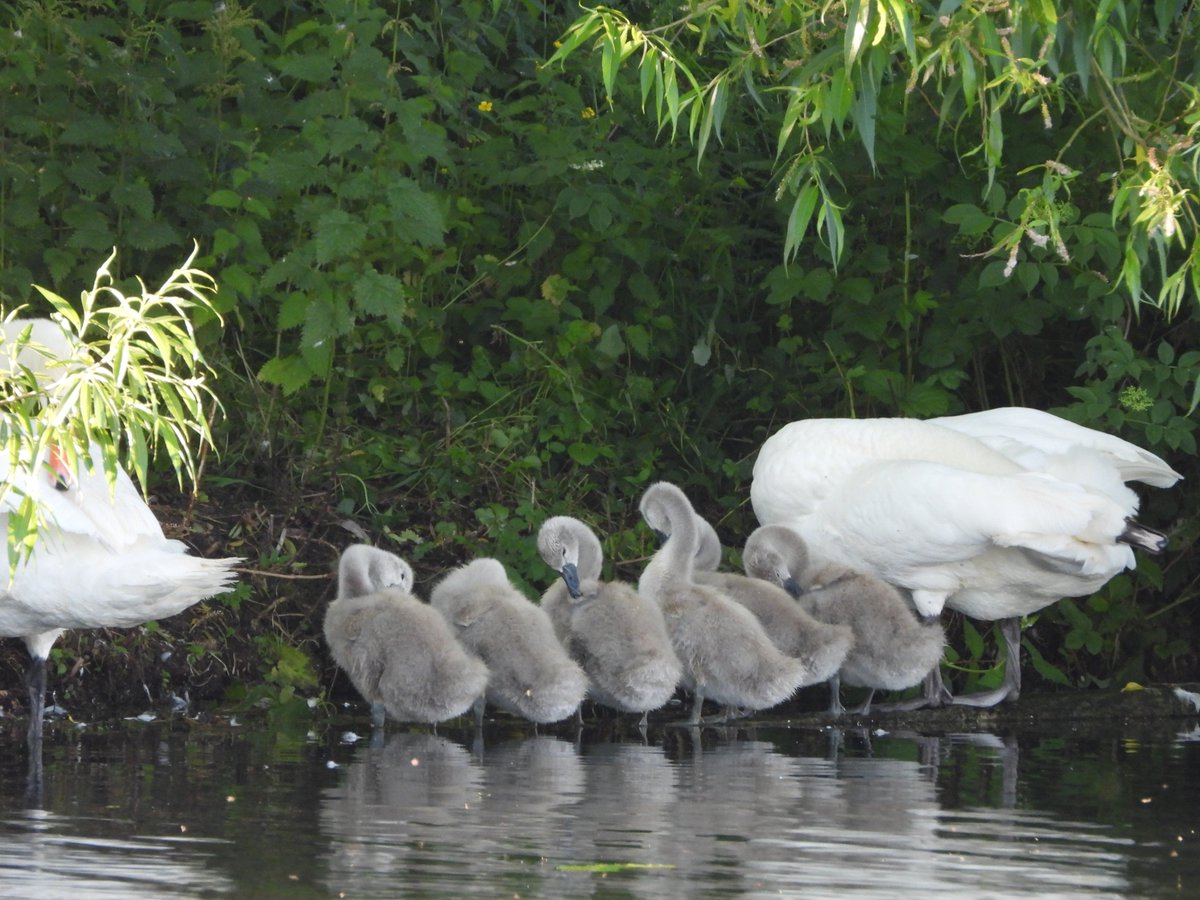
x: 101, y: 559
x: 995, y: 514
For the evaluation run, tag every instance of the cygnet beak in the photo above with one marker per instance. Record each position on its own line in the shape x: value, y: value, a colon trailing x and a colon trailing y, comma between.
x: 570, y: 575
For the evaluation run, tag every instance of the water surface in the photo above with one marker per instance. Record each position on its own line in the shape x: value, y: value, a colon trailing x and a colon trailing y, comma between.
x: 178, y: 808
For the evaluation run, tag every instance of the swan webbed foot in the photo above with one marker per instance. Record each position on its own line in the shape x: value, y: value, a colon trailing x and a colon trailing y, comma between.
x: 1010, y: 687
x: 864, y: 708
x: 727, y: 714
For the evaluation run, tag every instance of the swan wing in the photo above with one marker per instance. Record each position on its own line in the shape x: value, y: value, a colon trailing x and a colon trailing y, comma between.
x: 71, y: 581
x: 1029, y: 436
x: 804, y: 462
x: 922, y: 525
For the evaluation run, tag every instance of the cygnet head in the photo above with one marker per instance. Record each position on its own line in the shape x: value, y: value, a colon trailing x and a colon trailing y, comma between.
x: 567, y: 546
x: 663, y: 503
x: 777, y: 554
x: 483, y: 572
x: 364, y: 570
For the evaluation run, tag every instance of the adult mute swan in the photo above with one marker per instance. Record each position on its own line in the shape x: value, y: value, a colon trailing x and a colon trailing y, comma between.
x: 400, y: 653
x: 101, y: 559
x: 996, y: 514
x: 616, y: 635
x: 726, y: 655
x: 531, y: 673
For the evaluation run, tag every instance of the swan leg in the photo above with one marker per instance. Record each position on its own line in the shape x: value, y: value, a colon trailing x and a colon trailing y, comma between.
x: 697, y: 706
x: 1010, y: 687
x: 36, y: 680
x: 644, y: 720
x: 1011, y: 630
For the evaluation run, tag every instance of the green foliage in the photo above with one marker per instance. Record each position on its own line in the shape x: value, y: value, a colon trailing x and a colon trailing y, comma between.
x: 831, y: 74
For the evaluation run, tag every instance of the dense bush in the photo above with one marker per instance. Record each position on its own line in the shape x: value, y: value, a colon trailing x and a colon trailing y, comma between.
x: 463, y: 291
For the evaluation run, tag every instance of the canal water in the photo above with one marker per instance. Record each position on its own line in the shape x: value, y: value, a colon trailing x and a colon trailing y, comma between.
x: 185, y: 808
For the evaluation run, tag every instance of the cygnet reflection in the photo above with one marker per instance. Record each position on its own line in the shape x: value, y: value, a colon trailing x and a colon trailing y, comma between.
x: 398, y: 814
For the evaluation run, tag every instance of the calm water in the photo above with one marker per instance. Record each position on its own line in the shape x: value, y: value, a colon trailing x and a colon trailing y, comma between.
x: 175, y: 808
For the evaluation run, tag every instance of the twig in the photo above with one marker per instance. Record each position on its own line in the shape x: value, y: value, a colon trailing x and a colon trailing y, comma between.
x: 279, y: 574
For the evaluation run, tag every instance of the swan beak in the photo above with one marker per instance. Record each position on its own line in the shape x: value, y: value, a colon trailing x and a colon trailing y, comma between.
x: 570, y: 575
x: 60, y: 472
x: 792, y: 586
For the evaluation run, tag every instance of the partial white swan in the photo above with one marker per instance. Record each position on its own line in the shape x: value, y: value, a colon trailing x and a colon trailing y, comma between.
x: 616, y: 634
x: 820, y: 645
x: 531, y: 673
x: 101, y: 560
x: 892, y: 649
x: 726, y: 655
x: 961, y: 519
x: 399, y: 653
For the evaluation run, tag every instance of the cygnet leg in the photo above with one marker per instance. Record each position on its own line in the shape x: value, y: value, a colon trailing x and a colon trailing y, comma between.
x: 835, y: 696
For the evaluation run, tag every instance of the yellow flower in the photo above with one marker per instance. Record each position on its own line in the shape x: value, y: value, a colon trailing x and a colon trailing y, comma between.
x: 588, y: 113
x: 485, y: 105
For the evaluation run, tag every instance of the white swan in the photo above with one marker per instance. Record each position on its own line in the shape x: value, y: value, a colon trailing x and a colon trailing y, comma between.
x: 726, y: 655
x: 101, y: 560
x: 616, y: 634
x: 400, y: 653
x: 892, y: 649
x: 996, y: 514
x: 821, y: 645
x: 531, y: 673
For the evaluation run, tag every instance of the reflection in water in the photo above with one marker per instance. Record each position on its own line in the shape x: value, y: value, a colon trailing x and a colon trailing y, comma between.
x: 741, y: 811
x: 44, y: 855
